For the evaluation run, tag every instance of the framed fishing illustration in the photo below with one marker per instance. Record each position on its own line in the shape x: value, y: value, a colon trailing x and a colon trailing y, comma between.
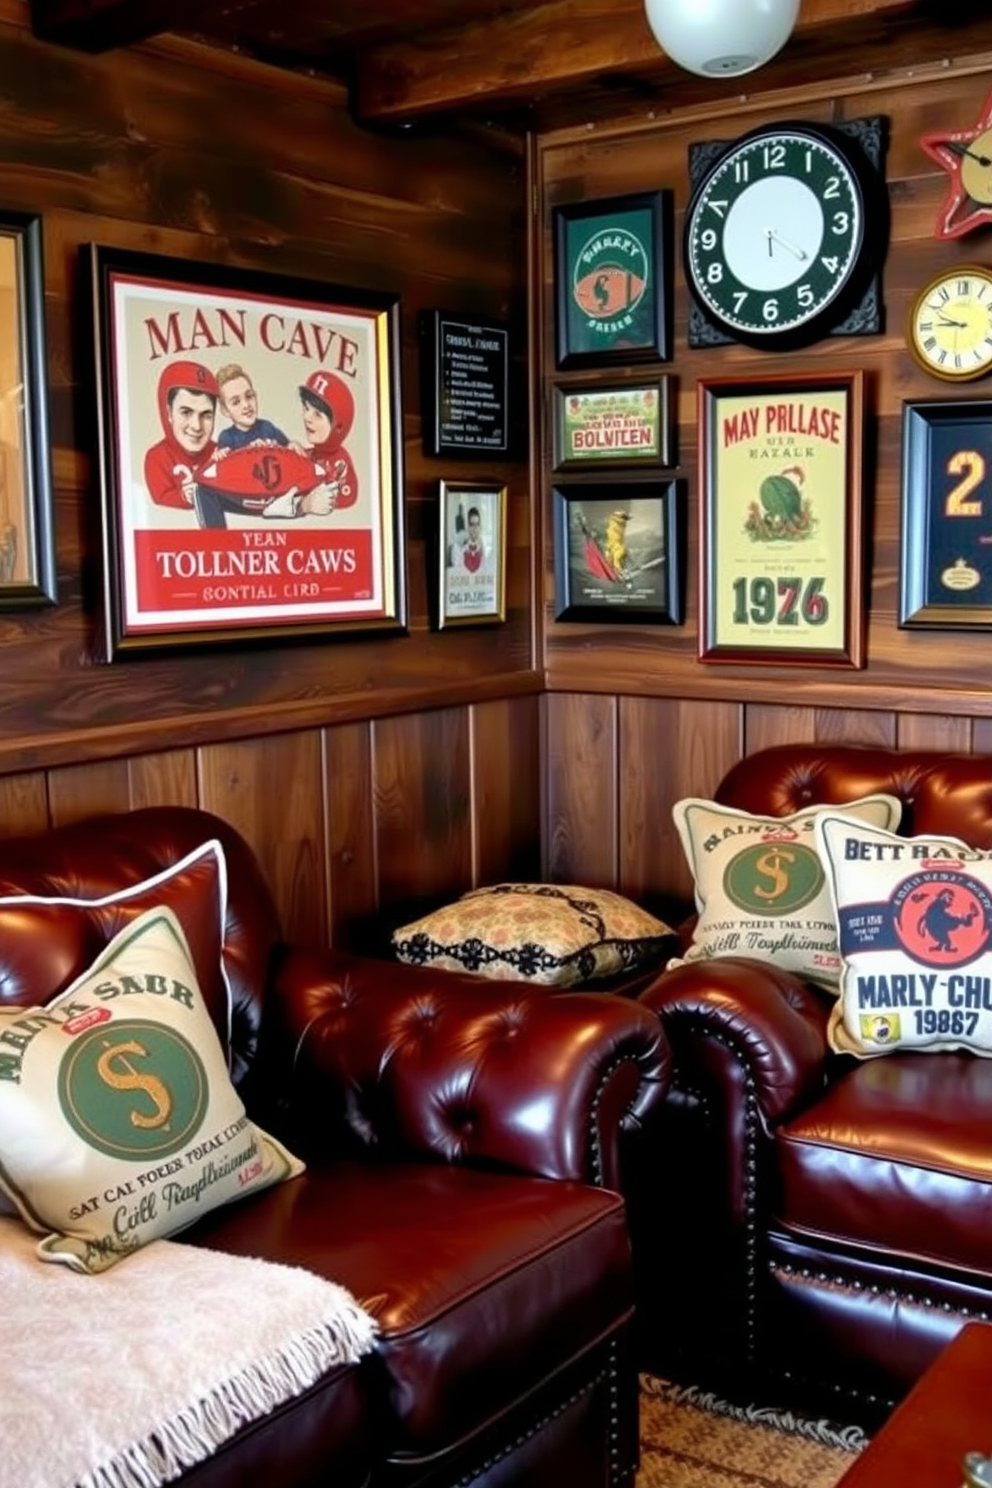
x: 781, y: 543
x: 618, y: 553
x: 27, y: 546
x: 945, y: 572
x: 613, y: 279
x: 619, y: 424
x: 250, y: 455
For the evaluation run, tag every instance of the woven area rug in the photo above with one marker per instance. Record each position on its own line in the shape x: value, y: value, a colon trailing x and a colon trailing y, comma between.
x: 690, y: 1439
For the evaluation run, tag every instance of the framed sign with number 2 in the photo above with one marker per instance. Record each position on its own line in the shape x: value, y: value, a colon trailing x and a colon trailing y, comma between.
x: 945, y: 573
x: 781, y: 551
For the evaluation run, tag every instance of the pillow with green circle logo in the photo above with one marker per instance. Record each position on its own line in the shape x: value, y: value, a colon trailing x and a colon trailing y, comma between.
x: 760, y: 886
x: 119, y: 1123
x: 914, y: 917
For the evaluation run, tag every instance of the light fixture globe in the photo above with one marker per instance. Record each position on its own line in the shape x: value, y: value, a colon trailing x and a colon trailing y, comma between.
x: 721, y: 38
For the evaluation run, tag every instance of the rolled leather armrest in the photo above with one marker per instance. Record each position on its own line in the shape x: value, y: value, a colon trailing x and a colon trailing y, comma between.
x: 771, y: 1021
x: 413, y: 1062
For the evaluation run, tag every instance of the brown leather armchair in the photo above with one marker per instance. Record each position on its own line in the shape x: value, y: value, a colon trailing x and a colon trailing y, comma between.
x: 462, y: 1141
x: 836, y: 1225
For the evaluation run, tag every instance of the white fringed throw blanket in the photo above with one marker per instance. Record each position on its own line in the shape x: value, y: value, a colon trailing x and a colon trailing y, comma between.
x: 125, y: 1379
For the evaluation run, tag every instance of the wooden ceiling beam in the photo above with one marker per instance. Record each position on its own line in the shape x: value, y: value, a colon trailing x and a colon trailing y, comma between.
x: 102, y: 25
x: 525, y: 55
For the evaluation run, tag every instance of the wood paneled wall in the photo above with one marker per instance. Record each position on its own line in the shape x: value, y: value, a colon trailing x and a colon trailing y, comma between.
x: 634, y: 720
x: 370, y: 774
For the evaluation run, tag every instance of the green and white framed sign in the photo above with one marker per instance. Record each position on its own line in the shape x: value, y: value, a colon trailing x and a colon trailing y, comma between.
x: 781, y: 544
x: 618, y: 424
x: 613, y: 278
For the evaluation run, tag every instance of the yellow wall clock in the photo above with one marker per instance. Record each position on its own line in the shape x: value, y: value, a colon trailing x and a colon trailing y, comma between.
x: 950, y: 324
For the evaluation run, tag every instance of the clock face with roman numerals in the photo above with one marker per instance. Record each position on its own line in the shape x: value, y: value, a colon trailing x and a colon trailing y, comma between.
x: 776, y: 246
x: 950, y: 324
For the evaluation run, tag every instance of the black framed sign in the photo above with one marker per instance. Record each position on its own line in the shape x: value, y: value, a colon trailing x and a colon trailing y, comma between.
x: 618, y: 553
x: 945, y: 574
x: 613, y: 279
x: 466, y: 383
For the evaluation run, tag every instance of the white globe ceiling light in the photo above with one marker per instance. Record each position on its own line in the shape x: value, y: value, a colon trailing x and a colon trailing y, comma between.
x: 721, y: 38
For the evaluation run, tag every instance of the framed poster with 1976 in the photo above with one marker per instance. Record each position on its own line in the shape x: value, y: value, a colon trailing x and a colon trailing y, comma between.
x: 945, y: 573
x: 781, y: 545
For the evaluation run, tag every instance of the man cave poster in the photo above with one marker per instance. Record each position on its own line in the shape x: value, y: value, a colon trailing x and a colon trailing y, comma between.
x: 254, y: 478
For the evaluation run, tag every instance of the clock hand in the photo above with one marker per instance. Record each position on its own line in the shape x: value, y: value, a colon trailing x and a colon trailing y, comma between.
x: 799, y: 253
x: 959, y: 325
x: 959, y: 149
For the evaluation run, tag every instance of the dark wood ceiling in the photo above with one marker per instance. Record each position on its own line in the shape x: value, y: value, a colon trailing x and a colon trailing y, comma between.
x: 524, y: 63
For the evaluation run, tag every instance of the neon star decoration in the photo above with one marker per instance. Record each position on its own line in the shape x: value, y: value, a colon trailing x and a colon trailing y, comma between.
x: 967, y: 158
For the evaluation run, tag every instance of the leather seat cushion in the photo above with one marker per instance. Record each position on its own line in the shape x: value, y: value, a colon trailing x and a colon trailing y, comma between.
x: 482, y: 1283
x: 895, y: 1156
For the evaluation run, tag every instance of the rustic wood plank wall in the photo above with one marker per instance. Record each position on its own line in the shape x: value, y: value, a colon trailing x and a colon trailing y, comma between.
x: 634, y: 721
x: 369, y: 774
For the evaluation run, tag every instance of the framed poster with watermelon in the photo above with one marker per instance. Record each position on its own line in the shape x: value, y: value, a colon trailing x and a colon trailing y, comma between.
x: 613, y: 279
x: 250, y: 453
x: 780, y: 462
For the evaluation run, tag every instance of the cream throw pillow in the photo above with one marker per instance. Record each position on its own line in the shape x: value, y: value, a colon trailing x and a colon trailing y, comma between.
x: 760, y: 886
x: 119, y: 1123
x: 552, y: 934
x: 915, y: 929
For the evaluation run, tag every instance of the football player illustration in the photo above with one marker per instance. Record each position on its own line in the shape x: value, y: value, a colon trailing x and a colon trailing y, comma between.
x: 328, y: 414
x: 187, y: 406
x: 239, y: 401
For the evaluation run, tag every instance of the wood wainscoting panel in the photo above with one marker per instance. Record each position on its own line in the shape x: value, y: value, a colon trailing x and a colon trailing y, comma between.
x: 421, y: 788
x: 23, y: 803
x: 78, y: 791
x: 580, y: 788
x: 669, y: 749
x: 935, y: 731
x: 352, y: 888
x: 506, y: 790
x: 164, y: 779
x: 271, y: 790
x: 768, y: 723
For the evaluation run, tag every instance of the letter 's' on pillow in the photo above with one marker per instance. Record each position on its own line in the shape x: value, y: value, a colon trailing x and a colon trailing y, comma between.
x: 915, y: 930
x: 760, y: 885
x: 119, y: 1123
x: 552, y: 934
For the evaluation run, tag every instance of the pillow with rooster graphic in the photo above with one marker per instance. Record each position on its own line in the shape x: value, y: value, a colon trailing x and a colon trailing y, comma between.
x: 914, y: 922
x: 760, y: 885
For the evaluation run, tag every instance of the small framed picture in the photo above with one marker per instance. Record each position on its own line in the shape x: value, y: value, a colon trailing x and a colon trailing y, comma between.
x: 780, y: 461
x: 618, y: 553
x: 27, y: 545
x: 613, y: 279
x: 472, y: 553
x: 621, y: 425
x: 945, y: 571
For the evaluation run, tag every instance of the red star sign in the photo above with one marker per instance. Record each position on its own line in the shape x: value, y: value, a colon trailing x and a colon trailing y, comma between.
x: 967, y: 158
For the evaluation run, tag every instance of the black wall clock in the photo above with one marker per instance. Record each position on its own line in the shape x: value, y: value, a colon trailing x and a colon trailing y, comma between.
x: 784, y: 235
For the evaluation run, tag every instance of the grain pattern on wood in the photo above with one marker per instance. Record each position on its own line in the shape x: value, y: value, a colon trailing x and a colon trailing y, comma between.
x: 271, y: 791
x: 923, y: 731
x: 506, y: 790
x: 351, y: 843
x: 580, y: 761
x: 78, y: 791
x: 164, y: 779
x: 23, y: 803
x: 422, y: 786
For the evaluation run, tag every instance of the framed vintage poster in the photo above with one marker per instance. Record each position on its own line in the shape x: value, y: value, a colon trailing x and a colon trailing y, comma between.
x: 466, y: 385
x: 945, y: 573
x: 618, y: 553
x: 27, y: 546
x: 781, y: 545
x: 471, y: 553
x: 250, y: 455
x: 620, y: 424
x: 613, y: 279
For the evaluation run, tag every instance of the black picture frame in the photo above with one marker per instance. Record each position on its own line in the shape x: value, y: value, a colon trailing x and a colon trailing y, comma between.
x: 465, y: 383
x: 617, y: 425
x: 613, y: 279
x: 295, y: 533
x: 646, y: 586
x: 27, y: 541
x: 945, y: 560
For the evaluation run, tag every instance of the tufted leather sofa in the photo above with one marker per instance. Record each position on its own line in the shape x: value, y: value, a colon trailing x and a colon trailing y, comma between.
x: 462, y: 1142
x: 840, y: 1228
